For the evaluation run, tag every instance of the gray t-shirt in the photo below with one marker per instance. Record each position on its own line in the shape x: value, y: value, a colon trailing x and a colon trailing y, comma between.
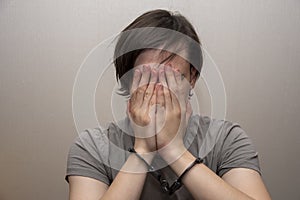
x: 99, y: 154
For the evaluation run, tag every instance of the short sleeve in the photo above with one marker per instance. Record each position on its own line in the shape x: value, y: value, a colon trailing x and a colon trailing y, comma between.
x: 81, y: 161
x: 237, y: 151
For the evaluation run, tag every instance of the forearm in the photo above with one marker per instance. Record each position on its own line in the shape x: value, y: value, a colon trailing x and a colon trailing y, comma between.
x: 204, y: 183
x: 129, y: 182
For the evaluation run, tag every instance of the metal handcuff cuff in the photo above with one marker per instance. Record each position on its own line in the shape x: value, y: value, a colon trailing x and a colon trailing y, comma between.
x: 158, y: 175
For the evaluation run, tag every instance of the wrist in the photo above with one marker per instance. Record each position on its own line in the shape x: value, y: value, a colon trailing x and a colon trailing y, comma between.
x: 172, y: 152
x: 141, y: 146
x: 180, y: 164
x: 146, y: 158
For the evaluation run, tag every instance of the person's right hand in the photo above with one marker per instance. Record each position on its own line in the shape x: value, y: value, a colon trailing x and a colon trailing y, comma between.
x: 141, y: 108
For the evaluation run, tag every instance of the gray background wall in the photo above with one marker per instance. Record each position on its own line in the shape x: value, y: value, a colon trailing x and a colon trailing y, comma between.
x: 42, y: 44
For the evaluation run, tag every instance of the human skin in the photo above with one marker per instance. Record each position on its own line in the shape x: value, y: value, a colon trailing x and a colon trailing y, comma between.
x: 166, y: 115
x: 157, y: 93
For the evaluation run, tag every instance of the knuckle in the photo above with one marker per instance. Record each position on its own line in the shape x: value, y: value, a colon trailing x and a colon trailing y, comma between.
x: 147, y: 94
x: 144, y: 87
x: 140, y: 90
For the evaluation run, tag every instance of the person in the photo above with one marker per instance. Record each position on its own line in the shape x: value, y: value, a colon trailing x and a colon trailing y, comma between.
x: 157, y: 71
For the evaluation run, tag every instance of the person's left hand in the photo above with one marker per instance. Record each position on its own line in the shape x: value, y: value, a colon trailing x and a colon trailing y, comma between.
x: 173, y: 112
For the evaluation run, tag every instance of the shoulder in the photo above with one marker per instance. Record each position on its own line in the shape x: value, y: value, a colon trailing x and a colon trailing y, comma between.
x: 223, y: 144
x: 114, y: 132
x: 211, y: 129
x: 219, y: 133
x: 94, y: 150
x: 95, y: 140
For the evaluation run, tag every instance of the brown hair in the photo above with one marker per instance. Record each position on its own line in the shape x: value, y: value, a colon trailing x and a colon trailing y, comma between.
x: 151, y: 38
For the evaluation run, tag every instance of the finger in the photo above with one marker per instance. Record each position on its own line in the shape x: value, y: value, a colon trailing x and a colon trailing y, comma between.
x: 134, y: 88
x: 160, y: 110
x: 150, y: 89
x: 160, y: 95
x: 154, y: 76
x: 154, y: 96
x: 145, y: 76
x: 159, y: 119
x: 136, y: 80
x: 173, y: 87
x: 136, y: 99
x: 167, y: 98
x: 142, y: 86
x: 128, y: 111
x: 162, y: 78
x: 132, y: 103
x: 153, y: 81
